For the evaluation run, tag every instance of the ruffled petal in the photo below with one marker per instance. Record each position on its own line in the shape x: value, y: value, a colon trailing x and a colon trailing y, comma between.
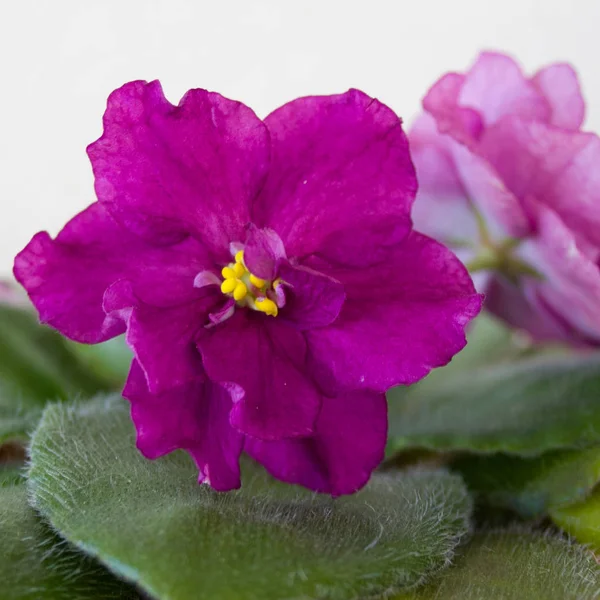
x: 442, y: 208
x: 266, y: 359
x: 501, y: 209
x: 521, y: 308
x: 495, y: 86
x: 339, y: 458
x: 66, y: 278
x: 571, y: 284
x: 166, y: 171
x: 557, y: 167
x: 463, y: 123
x: 336, y: 161
x: 464, y: 105
x: 398, y: 334
x: 560, y: 86
x: 193, y: 417
x: 164, y: 340
x: 311, y: 298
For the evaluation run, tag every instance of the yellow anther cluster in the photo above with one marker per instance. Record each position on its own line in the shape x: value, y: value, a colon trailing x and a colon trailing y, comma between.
x: 246, y: 288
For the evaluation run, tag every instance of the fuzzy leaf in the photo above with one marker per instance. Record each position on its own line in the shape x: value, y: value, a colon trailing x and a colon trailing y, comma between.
x: 582, y: 520
x: 37, y: 363
x: 525, y: 408
x: 11, y: 473
x: 516, y: 565
x: 150, y: 521
x: 37, y: 565
x: 531, y: 486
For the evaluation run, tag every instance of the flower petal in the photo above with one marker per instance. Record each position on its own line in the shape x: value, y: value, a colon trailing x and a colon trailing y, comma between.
x: 167, y: 171
x: 339, y: 458
x: 463, y: 123
x: 66, y: 278
x: 311, y: 298
x: 266, y: 358
x: 65, y: 291
x: 262, y: 252
x: 464, y: 105
x: 163, y: 340
x: 571, y: 284
x: 521, y: 308
x: 501, y: 209
x: 557, y: 167
x: 495, y: 86
x: 560, y: 86
x: 413, y: 323
x: 442, y: 208
x: 193, y: 417
x: 336, y: 160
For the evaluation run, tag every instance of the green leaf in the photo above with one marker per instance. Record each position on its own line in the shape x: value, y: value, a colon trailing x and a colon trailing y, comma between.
x: 581, y: 520
x: 11, y: 474
x: 526, y: 408
x: 516, y: 565
x: 37, y: 565
x: 108, y: 361
x: 531, y: 486
x: 17, y: 422
x: 36, y: 363
x: 150, y: 521
x: 489, y: 341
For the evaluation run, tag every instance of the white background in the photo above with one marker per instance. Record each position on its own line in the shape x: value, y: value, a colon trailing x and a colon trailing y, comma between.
x: 60, y: 59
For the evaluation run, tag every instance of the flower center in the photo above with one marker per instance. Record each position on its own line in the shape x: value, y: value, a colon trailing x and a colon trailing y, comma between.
x: 248, y: 289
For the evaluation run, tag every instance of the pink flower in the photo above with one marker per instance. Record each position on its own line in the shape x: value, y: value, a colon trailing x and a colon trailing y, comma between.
x: 266, y: 275
x: 507, y: 178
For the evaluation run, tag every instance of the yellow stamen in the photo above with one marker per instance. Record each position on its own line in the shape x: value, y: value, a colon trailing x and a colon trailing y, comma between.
x: 240, y: 291
x: 229, y: 285
x: 257, y: 281
x: 228, y: 273
x: 247, y: 289
x: 267, y: 306
x: 239, y: 269
x: 277, y: 283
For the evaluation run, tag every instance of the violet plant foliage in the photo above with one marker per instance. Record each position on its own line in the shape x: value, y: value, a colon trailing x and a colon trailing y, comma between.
x: 267, y: 277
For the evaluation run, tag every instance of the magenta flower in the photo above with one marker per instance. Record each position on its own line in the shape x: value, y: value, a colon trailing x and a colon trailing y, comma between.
x: 266, y: 275
x: 509, y: 180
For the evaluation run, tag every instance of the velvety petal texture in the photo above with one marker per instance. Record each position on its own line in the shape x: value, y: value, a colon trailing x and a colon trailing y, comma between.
x: 194, y: 417
x: 421, y: 313
x: 169, y: 171
x: 66, y: 278
x: 265, y: 274
x: 335, y: 161
x: 163, y: 340
x: 529, y: 178
x: 348, y: 444
x: 266, y: 359
x: 313, y: 299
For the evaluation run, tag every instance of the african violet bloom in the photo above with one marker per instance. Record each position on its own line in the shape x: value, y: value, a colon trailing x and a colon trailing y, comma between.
x: 266, y: 275
x: 508, y: 179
